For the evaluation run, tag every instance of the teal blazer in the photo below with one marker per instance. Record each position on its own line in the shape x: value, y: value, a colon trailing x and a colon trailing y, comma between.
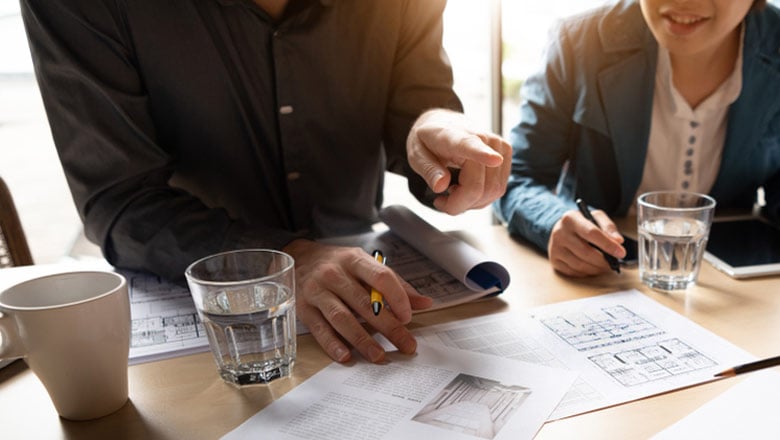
x: 585, y: 122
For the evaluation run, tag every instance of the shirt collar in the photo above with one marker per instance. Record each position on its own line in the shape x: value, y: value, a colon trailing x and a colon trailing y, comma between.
x: 244, y: 2
x: 723, y: 96
x: 252, y: 5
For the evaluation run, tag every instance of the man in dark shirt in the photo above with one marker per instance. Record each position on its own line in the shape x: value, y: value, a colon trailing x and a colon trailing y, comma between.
x: 192, y: 127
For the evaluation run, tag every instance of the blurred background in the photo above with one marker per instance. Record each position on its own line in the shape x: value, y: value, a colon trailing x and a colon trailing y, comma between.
x: 493, y: 46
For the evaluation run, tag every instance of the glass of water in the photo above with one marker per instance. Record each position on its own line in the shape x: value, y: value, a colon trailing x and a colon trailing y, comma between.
x: 246, y: 300
x: 673, y: 227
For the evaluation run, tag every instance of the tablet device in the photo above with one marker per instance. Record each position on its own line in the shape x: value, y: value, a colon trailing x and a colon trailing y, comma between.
x: 744, y: 247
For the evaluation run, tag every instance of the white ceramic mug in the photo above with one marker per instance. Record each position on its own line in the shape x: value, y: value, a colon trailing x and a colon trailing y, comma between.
x: 73, y: 329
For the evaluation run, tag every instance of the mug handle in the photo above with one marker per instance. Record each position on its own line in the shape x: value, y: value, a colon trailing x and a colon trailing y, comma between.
x: 10, y: 342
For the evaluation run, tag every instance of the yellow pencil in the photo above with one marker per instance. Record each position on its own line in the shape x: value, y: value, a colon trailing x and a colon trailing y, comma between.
x: 377, y: 301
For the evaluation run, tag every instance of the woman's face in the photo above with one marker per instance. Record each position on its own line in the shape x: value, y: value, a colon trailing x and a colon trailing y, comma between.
x: 690, y: 27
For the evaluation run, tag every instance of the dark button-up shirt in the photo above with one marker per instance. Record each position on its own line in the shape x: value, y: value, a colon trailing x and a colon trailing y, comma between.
x: 190, y: 127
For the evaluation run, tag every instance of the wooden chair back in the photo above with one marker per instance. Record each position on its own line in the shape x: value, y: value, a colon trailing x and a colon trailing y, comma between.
x: 13, y: 244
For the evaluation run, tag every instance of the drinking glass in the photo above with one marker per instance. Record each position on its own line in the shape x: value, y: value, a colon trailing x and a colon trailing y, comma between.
x: 246, y: 300
x: 673, y: 227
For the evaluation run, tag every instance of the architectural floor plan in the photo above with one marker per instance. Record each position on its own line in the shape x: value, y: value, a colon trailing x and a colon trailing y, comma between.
x: 624, y: 345
x: 164, y: 319
x: 651, y: 356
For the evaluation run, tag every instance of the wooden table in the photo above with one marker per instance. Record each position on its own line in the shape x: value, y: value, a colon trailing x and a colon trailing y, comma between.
x: 183, y: 398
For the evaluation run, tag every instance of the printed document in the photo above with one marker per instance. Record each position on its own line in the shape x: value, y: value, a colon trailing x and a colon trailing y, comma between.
x: 164, y: 320
x: 438, y: 393
x: 624, y: 345
x: 438, y: 265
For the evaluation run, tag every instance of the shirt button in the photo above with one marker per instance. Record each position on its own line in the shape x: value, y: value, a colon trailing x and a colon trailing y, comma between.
x: 689, y: 152
x: 277, y: 34
x: 286, y: 109
x: 685, y: 184
x: 692, y: 140
x: 295, y: 175
x: 694, y: 124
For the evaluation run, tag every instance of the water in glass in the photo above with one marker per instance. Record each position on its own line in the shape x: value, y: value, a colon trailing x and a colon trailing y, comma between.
x: 670, y: 250
x: 251, y: 331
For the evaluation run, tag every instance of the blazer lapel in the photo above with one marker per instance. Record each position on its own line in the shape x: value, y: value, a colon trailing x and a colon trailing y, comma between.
x: 749, y: 115
x: 626, y: 90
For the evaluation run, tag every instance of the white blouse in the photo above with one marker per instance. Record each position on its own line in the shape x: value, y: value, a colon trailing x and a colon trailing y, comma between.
x: 685, y: 146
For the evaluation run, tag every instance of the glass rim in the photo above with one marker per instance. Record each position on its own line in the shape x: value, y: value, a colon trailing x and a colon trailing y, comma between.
x: 289, y: 264
x: 711, y: 202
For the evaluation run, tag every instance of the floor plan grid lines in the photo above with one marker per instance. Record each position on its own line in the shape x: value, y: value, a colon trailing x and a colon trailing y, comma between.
x: 603, y: 328
x: 617, y: 325
x: 164, y: 319
x: 652, y: 362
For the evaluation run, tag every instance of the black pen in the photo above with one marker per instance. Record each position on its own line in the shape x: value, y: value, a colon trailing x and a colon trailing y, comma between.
x: 377, y: 300
x: 613, y: 262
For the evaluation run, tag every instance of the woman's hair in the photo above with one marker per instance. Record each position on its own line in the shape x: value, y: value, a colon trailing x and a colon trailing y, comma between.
x: 759, y: 5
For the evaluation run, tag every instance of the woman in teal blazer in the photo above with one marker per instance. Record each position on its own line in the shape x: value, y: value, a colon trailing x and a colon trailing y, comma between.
x: 585, y: 124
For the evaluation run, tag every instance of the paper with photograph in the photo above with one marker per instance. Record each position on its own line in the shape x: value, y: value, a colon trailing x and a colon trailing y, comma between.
x: 439, y: 393
x: 624, y: 345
